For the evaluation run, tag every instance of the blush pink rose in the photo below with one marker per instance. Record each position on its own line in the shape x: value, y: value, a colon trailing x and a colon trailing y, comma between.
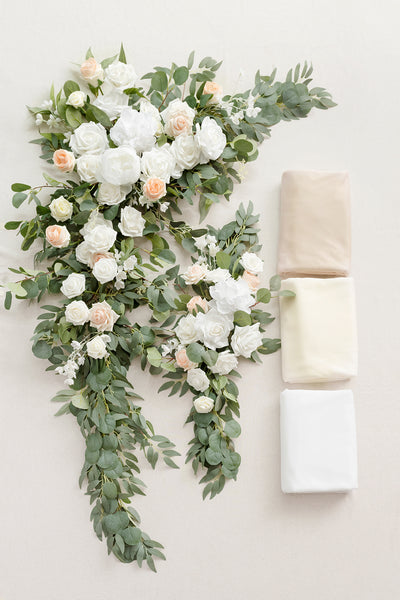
x: 195, y: 302
x: 58, y: 236
x: 211, y: 87
x: 102, y: 316
x: 182, y: 360
x: 91, y: 71
x: 64, y: 160
x: 253, y: 281
x: 96, y: 256
x: 154, y: 189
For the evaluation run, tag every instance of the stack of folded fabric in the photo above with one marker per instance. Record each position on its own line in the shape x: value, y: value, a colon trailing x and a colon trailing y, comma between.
x: 318, y: 331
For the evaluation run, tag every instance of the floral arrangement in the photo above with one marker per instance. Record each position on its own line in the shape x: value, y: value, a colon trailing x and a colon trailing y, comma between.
x: 129, y: 151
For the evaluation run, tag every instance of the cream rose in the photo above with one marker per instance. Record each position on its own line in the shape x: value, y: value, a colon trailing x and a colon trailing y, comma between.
x: 101, y: 238
x: 105, y: 269
x: 232, y: 295
x: 58, y: 236
x: 253, y: 281
x: 89, y: 138
x: 83, y: 253
x: 73, y: 285
x: 61, y: 209
x: 195, y: 303
x: 95, y: 256
x: 203, y: 404
x: 217, y: 275
x: 246, y: 340
x: 121, y: 75
x: 88, y: 166
x: 154, y: 189
x: 183, y: 361
x: 112, y: 101
x: 120, y: 166
x: 252, y: 263
x: 186, y: 330
x: 195, y: 273
x: 198, y: 380
x: 134, y: 129
x: 186, y: 152
x: 211, y: 87
x: 147, y: 107
x: 92, y: 71
x: 95, y: 219
x: 211, y: 139
x: 226, y: 362
x: 158, y: 162
x: 64, y: 160
x: 213, y: 328
x: 178, y: 118
x: 111, y: 194
x: 76, y: 99
x: 102, y: 316
x: 77, y: 312
x: 97, y: 348
x: 132, y: 222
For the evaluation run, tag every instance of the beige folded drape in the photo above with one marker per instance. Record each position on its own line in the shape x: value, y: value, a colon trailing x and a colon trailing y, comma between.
x: 315, y: 235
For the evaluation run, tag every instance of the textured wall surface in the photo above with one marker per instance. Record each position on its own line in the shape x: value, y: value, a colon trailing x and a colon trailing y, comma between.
x: 251, y: 541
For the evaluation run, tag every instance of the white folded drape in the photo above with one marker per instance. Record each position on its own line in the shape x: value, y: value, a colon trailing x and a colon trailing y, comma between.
x: 318, y: 330
x: 315, y: 236
x: 318, y: 441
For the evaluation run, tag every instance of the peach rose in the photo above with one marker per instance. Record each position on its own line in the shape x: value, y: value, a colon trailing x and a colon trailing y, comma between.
x: 253, y: 281
x: 102, y: 316
x: 58, y: 236
x: 154, y: 189
x: 182, y: 360
x: 96, y: 256
x: 64, y: 160
x: 213, y: 88
x: 91, y: 71
x: 195, y: 302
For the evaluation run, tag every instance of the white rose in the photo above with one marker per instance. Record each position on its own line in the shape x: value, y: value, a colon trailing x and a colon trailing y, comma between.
x: 158, y: 162
x: 186, y: 330
x: 213, y: 329
x: 213, y: 250
x: 217, y: 275
x: 119, y: 166
x: 252, y: 263
x: 95, y: 219
x: 76, y: 99
x: 147, y: 107
x: 111, y: 194
x: 112, y: 101
x: 197, y: 379
x: 203, y: 404
x: 246, y: 339
x: 88, y: 166
x: 97, y: 348
x: 186, y: 152
x: 211, y: 139
x: 73, y: 285
x: 178, y: 118
x: 132, y: 222
x: 232, y: 295
x: 226, y: 362
x: 101, y: 238
x: 89, y: 138
x: 134, y: 129
x: 195, y: 273
x: 130, y: 263
x: 120, y: 75
x: 61, y: 209
x: 83, y: 253
x: 77, y: 312
x: 105, y: 269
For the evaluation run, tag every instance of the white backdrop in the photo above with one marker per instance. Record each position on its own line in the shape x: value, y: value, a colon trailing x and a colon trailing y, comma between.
x: 251, y: 541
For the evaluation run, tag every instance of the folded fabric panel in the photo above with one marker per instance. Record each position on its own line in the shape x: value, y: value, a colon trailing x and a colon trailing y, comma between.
x: 315, y: 236
x: 318, y: 441
x: 318, y: 330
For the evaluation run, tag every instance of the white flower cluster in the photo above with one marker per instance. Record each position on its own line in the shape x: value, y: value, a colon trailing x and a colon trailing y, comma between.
x: 75, y: 360
x: 237, y: 109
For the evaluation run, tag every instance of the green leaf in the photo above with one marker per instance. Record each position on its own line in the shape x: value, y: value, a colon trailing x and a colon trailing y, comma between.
x: 94, y: 441
x: 122, y: 57
x: 180, y: 75
x: 242, y: 318
x: 154, y: 357
x: 73, y: 116
x: 69, y: 87
x: 159, y: 81
x: 275, y: 283
x: 131, y: 535
x: 93, y: 113
x: 213, y: 457
x: 10, y: 225
x: 263, y: 295
x: 20, y: 187
x: 287, y: 293
x: 110, y: 490
x: 232, y: 429
x: 41, y: 349
x: 194, y: 352
x: 223, y: 259
x: 116, y: 522
x: 8, y: 300
x: 98, y: 381
x: 18, y: 199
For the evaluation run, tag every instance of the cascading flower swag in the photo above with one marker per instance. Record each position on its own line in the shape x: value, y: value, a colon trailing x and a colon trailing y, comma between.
x: 130, y: 152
